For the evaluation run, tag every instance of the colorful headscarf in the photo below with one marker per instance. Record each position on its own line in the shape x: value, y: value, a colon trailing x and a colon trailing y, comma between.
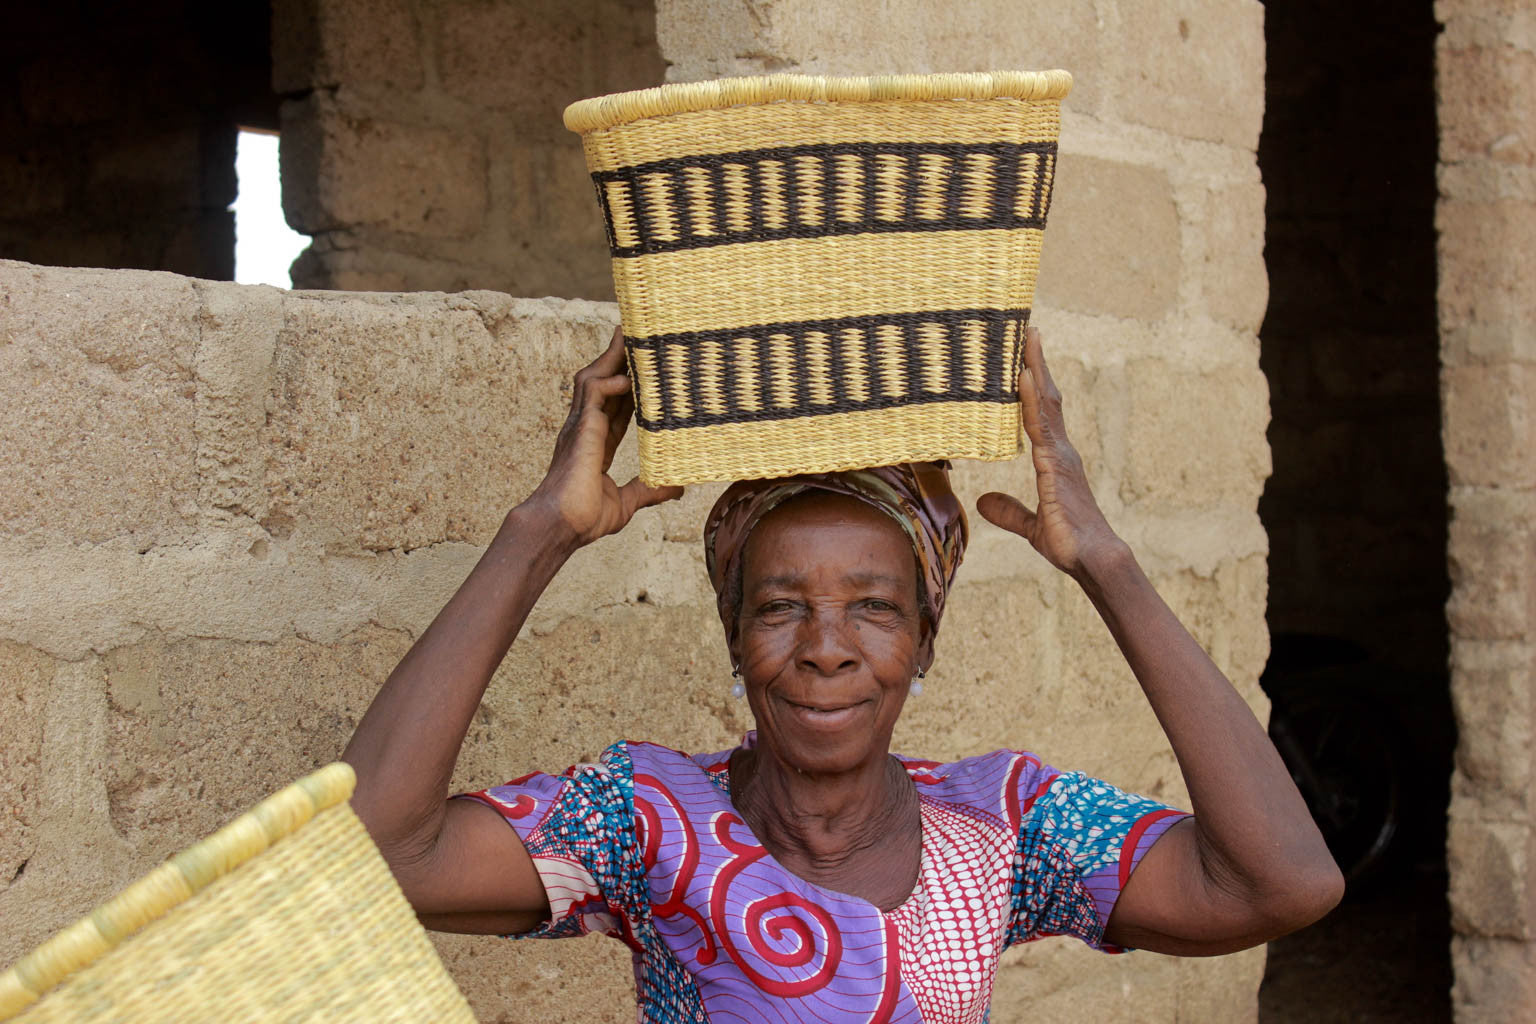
x: 916, y: 494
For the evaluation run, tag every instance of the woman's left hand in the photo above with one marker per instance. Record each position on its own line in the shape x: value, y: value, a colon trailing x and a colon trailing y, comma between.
x: 1066, y: 525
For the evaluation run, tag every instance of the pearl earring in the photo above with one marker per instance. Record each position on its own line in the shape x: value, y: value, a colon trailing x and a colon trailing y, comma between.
x: 917, y: 683
x: 738, y: 689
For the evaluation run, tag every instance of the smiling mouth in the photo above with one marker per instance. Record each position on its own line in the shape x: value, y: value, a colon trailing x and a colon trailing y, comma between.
x: 825, y: 715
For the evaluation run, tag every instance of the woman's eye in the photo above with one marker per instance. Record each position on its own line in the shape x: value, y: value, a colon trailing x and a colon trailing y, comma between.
x: 881, y: 605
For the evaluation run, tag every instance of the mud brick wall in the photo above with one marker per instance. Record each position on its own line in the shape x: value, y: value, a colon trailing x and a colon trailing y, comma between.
x: 1487, y: 223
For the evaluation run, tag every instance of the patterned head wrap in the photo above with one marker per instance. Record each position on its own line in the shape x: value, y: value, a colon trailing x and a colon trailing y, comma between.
x: 916, y: 494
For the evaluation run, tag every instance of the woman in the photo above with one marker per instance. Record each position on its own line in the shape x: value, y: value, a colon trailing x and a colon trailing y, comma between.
x: 808, y: 873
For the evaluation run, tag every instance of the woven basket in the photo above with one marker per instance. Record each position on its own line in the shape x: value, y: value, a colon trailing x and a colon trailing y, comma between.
x: 818, y: 274
x: 288, y: 913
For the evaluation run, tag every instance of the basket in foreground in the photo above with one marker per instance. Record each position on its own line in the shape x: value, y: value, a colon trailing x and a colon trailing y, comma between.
x: 288, y: 913
x: 818, y: 274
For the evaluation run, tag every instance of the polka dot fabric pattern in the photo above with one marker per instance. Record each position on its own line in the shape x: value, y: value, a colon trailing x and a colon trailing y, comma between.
x: 646, y: 847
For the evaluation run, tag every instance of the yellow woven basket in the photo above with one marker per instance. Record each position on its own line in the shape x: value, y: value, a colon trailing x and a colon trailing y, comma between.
x: 288, y: 914
x: 818, y: 274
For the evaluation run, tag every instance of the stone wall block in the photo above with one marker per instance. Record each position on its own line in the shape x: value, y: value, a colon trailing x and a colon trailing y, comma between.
x: 1495, y: 979
x: 1231, y: 270
x: 399, y: 422
x: 1490, y: 892
x: 532, y: 59
x: 1489, y: 424
x: 702, y: 39
x: 76, y: 859
x: 1187, y: 67
x: 99, y: 404
x: 1487, y: 181
x: 1492, y: 693
x: 587, y: 981
x: 1113, y: 241
x: 1492, y: 545
x: 1486, y: 250
x: 369, y: 170
x: 709, y: 39
x: 1486, y: 23
x: 1487, y: 104
x: 202, y: 729
x: 1502, y: 342
x: 1194, y: 448
x: 1221, y: 988
x: 1061, y: 981
x: 372, y: 44
x: 239, y: 329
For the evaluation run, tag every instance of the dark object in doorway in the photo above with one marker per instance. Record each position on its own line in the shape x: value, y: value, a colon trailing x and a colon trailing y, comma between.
x: 1335, y: 723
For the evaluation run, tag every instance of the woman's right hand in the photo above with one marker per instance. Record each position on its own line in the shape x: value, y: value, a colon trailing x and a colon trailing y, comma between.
x: 577, y: 492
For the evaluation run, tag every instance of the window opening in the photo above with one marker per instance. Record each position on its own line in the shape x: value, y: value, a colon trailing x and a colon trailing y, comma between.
x: 265, y: 246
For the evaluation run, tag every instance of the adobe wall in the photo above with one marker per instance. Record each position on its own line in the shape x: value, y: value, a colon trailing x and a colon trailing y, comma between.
x: 422, y: 142
x: 1487, y: 222
x: 232, y: 508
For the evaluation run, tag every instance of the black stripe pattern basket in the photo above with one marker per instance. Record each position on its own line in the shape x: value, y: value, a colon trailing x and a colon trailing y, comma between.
x: 818, y: 274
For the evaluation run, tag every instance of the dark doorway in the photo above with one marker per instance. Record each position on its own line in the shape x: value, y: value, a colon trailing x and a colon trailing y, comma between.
x: 1356, y: 508
x: 117, y: 130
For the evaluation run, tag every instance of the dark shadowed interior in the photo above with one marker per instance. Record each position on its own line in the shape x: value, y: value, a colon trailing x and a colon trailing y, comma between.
x: 1356, y: 508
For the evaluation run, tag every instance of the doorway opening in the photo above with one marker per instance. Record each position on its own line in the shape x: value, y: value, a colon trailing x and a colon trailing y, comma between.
x: 1356, y: 508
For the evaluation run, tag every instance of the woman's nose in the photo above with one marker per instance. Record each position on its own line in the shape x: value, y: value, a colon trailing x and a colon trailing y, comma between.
x: 826, y: 644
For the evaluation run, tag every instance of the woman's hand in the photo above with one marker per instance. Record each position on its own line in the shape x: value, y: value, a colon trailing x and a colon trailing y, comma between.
x: 1066, y: 525
x: 577, y: 490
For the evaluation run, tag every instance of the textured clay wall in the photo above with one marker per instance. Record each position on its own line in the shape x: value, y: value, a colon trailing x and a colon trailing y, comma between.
x: 226, y: 511
x: 117, y: 131
x: 422, y: 141
x: 1487, y: 222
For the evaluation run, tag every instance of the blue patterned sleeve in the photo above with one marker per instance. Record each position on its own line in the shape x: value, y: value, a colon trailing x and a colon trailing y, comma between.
x: 1079, y: 840
x: 579, y: 828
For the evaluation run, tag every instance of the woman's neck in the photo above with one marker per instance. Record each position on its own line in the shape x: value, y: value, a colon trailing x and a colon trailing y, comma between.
x: 856, y: 832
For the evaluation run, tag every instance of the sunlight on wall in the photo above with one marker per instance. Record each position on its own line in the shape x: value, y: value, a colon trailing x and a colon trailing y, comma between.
x: 265, y: 246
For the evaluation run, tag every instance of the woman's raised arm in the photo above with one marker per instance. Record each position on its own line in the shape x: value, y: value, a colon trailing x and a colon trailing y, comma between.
x: 461, y: 867
x: 1250, y: 865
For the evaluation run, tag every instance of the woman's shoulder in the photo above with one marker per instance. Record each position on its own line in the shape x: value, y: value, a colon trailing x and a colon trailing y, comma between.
x: 1001, y: 782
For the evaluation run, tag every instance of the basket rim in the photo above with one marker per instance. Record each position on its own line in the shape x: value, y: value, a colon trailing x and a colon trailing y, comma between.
x: 600, y: 112
x: 171, y: 884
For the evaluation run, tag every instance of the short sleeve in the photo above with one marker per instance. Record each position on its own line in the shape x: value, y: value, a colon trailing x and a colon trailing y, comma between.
x: 579, y: 829
x: 1079, y: 841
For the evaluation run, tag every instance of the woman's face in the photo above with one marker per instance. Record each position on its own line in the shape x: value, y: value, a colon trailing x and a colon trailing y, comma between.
x: 830, y: 632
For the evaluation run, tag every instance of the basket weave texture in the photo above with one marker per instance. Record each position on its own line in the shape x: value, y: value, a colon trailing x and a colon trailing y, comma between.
x: 819, y: 274
x: 288, y: 913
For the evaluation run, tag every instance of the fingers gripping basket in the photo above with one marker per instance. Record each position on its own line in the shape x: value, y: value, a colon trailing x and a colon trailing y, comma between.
x: 287, y: 913
x: 824, y: 273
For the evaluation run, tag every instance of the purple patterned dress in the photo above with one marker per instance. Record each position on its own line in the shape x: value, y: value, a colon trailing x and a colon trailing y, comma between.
x: 646, y: 847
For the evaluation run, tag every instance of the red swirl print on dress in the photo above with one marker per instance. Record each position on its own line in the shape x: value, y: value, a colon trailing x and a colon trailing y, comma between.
x: 512, y: 810
x: 649, y: 824
x: 756, y: 927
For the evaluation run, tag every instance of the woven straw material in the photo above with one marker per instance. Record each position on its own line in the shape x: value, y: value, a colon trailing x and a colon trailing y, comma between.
x: 818, y: 274
x: 288, y: 913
